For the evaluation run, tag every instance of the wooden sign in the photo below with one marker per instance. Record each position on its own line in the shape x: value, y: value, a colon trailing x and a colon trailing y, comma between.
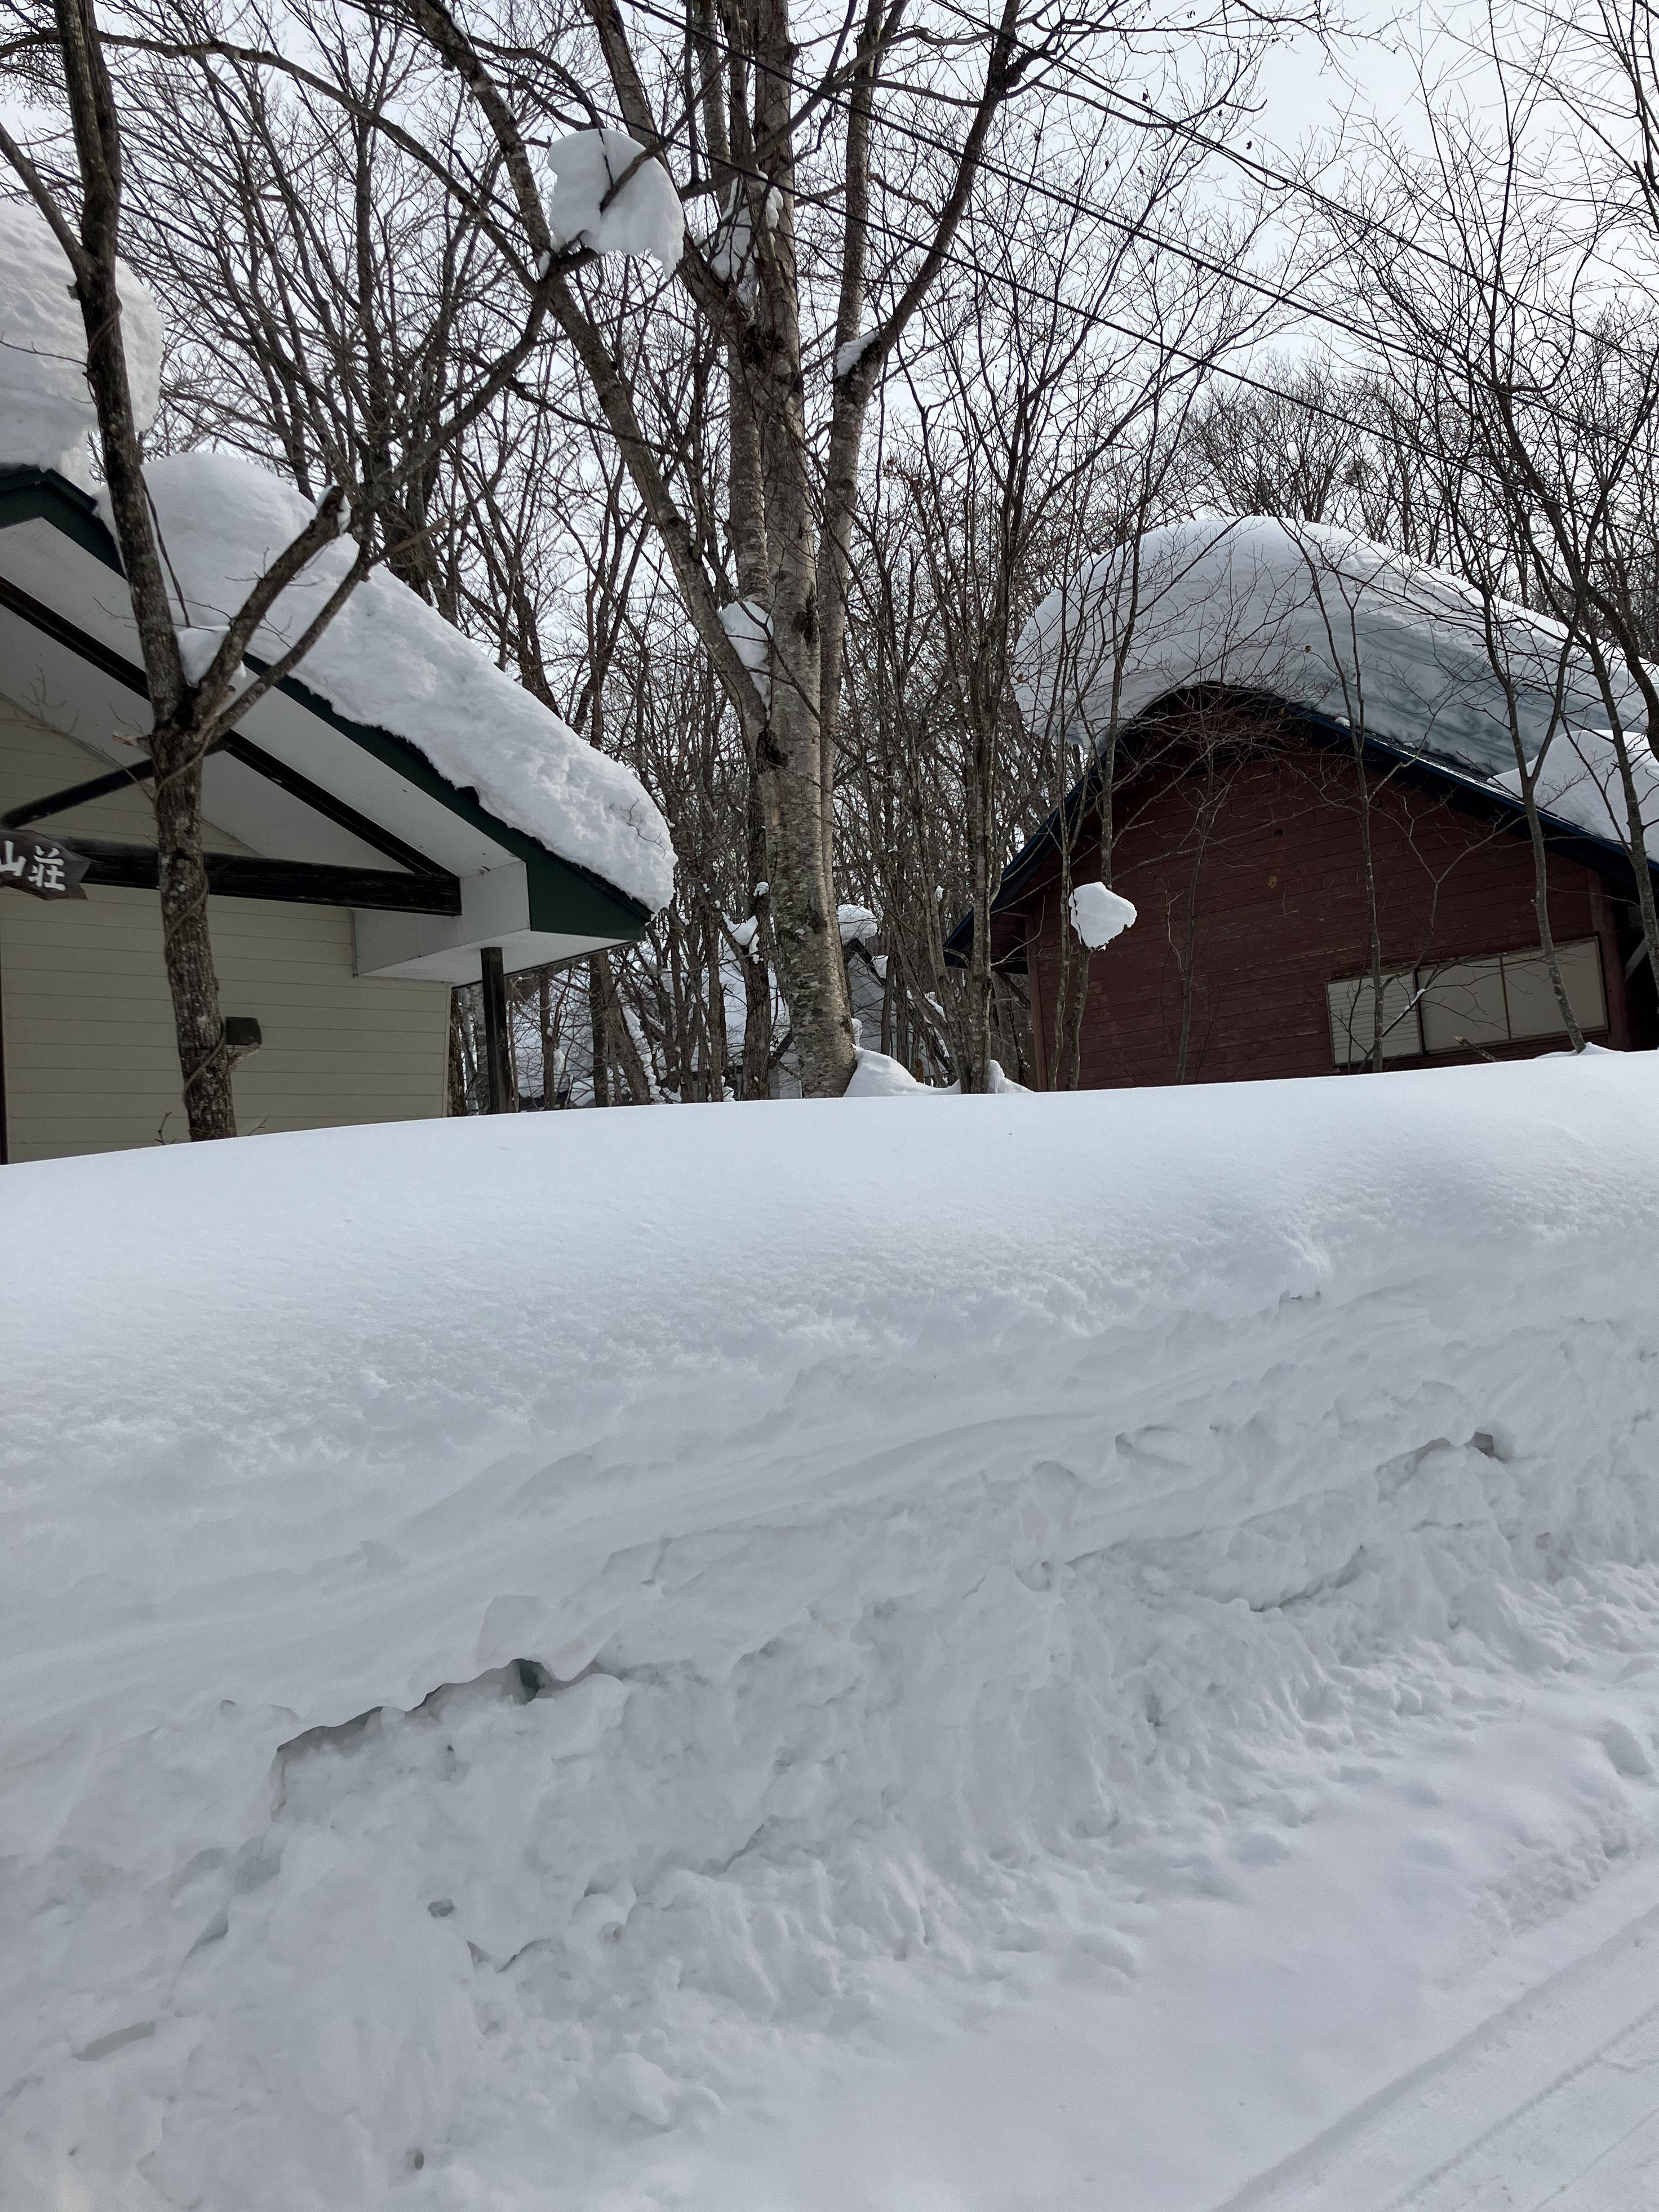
x: 41, y: 866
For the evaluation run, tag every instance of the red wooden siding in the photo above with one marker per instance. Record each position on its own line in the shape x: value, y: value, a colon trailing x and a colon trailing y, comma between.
x: 1273, y: 868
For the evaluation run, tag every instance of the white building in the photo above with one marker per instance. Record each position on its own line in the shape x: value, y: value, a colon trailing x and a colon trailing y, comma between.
x: 380, y: 826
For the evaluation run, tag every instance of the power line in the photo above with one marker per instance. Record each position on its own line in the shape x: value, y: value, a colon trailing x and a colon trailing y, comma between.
x: 1277, y: 296
x: 1153, y: 121
x: 1056, y: 198
x: 1148, y: 118
x: 1093, y: 317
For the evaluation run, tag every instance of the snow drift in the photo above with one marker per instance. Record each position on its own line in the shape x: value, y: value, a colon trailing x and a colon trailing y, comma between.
x: 520, y: 1634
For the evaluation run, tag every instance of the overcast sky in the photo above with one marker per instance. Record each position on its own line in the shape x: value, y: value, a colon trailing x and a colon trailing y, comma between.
x: 1368, y: 72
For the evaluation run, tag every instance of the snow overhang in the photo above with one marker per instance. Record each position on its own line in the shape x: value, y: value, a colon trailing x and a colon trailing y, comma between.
x: 299, y: 783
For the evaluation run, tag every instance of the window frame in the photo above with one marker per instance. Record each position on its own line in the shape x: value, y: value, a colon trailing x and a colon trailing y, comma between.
x: 1349, y: 1049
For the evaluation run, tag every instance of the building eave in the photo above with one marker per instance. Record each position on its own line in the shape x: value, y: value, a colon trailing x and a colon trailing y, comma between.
x: 1470, y: 793
x: 561, y: 909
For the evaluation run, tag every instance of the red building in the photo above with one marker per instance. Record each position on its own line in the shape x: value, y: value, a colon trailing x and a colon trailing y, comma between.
x: 1241, y: 826
x: 1313, y: 774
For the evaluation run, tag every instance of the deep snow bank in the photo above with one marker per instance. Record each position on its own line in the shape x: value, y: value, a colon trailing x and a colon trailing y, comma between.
x: 933, y: 1535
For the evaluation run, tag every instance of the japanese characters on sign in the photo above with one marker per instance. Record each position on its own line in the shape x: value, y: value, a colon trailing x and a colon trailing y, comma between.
x: 40, y: 865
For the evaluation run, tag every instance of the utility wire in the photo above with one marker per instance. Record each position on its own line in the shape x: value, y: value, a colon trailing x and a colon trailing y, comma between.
x: 1295, y: 302
x: 1093, y: 317
x: 1143, y: 116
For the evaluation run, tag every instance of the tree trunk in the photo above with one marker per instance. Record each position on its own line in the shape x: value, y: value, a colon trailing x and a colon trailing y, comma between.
x: 599, y: 1018
x: 469, y: 1033
x: 976, y: 1066
x: 627, y: 1054
x: 456, y: 1102
x: 757, y: 967
x: 550, y: 1041
x: 790, y: 751
x: 1541, y: 900
x: 204, y: 1061
x: 1373, y: 917
x: 1189, y: 968
x: 187, y: 949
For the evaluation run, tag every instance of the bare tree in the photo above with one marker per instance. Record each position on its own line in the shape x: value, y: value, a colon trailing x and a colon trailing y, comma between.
x: 356, y: 488
x: 814, y: 270
x: 1541, y: 402
x: 706, y: 435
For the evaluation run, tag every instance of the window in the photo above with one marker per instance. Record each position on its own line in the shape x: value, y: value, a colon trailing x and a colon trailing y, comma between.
x: 1463, y: 1004
x: 1454, y: 1005
x: 1533, y: 1009
x: 1353, y: 1024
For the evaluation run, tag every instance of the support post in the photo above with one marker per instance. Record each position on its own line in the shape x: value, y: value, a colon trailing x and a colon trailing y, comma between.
x: 501, y: 1090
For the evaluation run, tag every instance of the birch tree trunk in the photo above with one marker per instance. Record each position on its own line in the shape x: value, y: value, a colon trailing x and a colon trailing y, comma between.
x: 175, y: 745
x: 189, y: 717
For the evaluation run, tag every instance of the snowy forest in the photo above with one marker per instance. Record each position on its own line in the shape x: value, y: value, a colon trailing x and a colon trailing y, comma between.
x: 757, y: 481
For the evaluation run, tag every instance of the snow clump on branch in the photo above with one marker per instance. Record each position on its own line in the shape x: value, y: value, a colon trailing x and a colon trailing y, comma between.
x: 47, y: 412
x: 749, y: 626
x: 644, y: 218
x: 848, y: 356
x: 1099, y: 914
x: 731, y: 250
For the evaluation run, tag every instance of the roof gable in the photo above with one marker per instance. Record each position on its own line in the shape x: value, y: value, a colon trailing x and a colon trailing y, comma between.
x: 379, y: 779
x: 1029, y: 870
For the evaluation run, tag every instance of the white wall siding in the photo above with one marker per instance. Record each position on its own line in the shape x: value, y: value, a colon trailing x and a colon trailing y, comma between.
x: 86, y: 1023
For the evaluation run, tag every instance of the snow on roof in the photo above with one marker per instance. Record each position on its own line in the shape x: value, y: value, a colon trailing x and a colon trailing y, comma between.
x: 389, y: 660
x: 1342, y: 625
x: 46, y: 414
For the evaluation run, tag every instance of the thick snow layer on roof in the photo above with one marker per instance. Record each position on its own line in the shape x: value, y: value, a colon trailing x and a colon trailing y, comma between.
x: 46, y: 414
x: 390, y: 661
x: 1335, y: 623
x: 1582, y: 781
x: 644, y: 218
x: 1071, y: 1631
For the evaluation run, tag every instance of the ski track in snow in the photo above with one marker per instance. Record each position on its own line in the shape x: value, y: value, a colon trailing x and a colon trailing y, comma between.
x: 1554, y: 2102
x: 1073, y: 1639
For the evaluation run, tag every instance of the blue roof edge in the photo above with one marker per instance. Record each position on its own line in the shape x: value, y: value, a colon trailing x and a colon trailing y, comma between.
x: 1564, y: 836
x: 33, y: 494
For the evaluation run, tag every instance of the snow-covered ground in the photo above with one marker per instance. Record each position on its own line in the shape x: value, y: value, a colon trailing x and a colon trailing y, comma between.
x: 1079, y: 1642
